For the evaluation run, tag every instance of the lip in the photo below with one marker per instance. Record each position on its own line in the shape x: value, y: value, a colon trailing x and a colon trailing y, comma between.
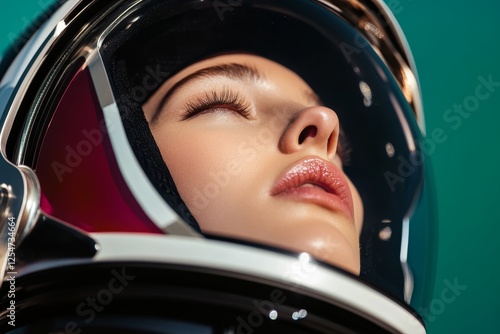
x: 316, y: 181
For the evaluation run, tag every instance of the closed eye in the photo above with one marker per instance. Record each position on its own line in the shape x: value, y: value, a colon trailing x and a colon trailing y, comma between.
x: 214, y: 100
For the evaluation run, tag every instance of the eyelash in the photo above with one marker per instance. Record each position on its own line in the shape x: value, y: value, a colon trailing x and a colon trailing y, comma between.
x: 213, y: 100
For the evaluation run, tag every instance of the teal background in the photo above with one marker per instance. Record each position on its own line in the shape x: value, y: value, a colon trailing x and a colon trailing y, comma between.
x: 454, y: 42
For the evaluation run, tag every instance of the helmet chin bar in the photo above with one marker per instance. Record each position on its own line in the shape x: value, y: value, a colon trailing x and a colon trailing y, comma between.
x: 218, y: 282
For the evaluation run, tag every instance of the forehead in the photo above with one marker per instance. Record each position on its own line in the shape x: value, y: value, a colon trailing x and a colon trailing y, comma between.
x: 265, y: 69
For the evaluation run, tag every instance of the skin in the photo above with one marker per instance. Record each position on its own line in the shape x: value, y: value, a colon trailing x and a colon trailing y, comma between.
x: 225, y: 164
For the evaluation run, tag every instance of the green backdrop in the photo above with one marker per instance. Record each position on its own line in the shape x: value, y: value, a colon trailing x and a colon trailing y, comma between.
x: 456, y: 46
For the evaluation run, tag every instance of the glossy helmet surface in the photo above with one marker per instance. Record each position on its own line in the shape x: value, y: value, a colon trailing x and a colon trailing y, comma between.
x: 76, y: 150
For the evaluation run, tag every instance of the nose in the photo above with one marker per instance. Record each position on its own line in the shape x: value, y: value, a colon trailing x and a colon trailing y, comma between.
x: 313, y: 128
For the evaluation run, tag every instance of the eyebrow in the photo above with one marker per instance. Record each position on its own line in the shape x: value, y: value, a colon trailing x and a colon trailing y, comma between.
x: 233, y: 71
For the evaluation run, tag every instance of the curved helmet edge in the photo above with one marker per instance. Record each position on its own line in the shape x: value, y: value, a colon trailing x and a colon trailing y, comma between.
x: 377, y: 23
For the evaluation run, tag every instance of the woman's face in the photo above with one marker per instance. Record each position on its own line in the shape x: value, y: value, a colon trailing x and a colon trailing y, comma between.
x: 254, y: 156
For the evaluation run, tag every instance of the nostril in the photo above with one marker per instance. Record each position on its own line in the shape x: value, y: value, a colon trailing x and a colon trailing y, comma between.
x: 309, y: 131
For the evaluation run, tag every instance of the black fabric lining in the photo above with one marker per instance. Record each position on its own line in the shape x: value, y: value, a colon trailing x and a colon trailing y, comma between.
x: 145, y: 147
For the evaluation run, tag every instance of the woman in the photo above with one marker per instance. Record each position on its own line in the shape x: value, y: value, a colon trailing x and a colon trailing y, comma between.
x: 263, y: 162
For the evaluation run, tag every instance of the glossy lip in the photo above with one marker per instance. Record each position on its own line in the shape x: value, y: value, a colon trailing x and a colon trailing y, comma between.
x: 318, y: 181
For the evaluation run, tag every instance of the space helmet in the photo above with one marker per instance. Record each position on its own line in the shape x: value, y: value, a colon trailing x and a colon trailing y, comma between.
x: 95, y: 236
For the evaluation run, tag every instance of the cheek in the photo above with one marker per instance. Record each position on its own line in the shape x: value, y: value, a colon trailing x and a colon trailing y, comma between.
x: 204, y: 167
x: 358, y: 206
